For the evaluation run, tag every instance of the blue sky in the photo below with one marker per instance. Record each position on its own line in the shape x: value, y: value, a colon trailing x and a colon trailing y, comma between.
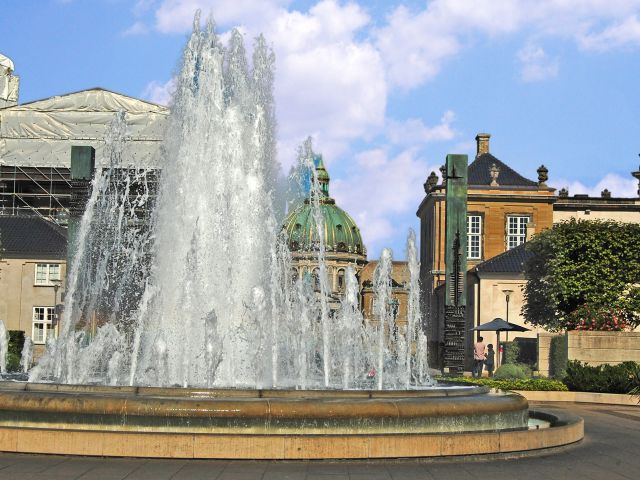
x: 386, y: 88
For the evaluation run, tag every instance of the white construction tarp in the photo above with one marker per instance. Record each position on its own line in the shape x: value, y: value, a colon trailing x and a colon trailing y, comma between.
x: 41, y: 133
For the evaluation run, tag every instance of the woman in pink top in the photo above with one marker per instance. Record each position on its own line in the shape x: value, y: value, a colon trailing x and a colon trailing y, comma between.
x: 478, y: 358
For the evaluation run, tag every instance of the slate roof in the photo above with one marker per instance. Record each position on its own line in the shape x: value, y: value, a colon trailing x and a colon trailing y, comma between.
x: 511, y: 261
x: 478, y: 173
x: 32, y: 237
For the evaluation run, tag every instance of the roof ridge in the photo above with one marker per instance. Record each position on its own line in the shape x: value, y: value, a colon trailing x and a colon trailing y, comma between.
x: 101, y: 89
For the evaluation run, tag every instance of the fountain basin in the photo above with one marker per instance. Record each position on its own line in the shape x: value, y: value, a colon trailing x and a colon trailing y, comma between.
x: 276, y: 424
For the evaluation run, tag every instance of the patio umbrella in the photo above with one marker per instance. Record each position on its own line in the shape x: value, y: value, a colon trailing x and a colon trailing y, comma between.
x: 499, y: 325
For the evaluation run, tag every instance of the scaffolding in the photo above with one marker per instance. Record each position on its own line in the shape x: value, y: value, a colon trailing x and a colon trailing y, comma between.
x: 47, y: 191
x: 43, y: 191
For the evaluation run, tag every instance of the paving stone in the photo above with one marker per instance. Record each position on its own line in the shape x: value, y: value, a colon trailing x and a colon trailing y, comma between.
x: 327, y: 476
x: 330, y: 468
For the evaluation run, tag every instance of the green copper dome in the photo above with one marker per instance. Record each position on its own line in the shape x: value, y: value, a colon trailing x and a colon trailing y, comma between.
x: 341, y: 234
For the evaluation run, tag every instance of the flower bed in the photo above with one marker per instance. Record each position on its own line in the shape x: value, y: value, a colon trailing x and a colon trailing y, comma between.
x: 530, y: 384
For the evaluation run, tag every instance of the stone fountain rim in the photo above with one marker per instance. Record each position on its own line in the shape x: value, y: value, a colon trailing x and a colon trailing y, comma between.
x: 452, y: 390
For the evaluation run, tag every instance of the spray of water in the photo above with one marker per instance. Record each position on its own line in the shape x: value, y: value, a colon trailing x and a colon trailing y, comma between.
x: 184, y: 278
x: 26, y: 357
x: 4, y: 347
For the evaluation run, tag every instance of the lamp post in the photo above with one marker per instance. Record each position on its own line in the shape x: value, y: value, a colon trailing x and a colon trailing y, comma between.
x: 507, y: 294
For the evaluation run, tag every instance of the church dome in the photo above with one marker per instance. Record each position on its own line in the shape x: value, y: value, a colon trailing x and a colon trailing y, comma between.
x: 341, y: 234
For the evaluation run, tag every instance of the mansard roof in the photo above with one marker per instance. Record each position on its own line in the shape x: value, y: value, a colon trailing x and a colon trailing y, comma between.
x: 479, y: 169
x: 32, y: 238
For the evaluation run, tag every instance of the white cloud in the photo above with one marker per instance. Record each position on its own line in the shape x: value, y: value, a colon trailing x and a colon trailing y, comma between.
x: 619, y: 186
x: 143, y: 6
x: 330, y: 83
x: 159, y: 92
x: 413, y: 131
x: 535, y: 65
x: 174, y: 16
x: 138, y: 28
x: 379, y: 188
x: 416, y: 44
x: 622, y: 34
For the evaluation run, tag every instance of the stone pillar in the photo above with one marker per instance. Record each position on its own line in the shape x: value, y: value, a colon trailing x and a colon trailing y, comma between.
x: 456, y: 264
x: 83, y: 161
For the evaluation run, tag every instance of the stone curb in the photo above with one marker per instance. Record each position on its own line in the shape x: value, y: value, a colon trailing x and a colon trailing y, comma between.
x: 579, y: 397
x: 567, y: 429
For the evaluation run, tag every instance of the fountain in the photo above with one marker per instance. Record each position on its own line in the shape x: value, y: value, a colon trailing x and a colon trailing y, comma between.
x: 184, y: 334
x: 26, y: 357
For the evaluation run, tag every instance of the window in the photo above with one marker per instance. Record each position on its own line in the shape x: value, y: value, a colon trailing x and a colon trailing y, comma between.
x: 42, y: 324
x: 315, y: 279
x: 474, y: 237
x: 341, y: 280
x: 46, y: 273
x: 516, y: 230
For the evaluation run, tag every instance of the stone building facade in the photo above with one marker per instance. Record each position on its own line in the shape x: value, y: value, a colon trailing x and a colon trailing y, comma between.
x: 505, y: 209
x: 32, y: 275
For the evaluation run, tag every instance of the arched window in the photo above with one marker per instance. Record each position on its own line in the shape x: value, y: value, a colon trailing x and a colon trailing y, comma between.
x: 341, y: 283
x: 315, y: 278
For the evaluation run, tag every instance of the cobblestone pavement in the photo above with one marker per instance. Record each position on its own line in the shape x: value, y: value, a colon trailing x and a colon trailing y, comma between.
x: 610, y: 450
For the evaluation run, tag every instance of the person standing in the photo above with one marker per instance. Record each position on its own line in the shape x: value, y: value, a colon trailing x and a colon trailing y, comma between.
x: 490, y: 360
x: 478, y: 358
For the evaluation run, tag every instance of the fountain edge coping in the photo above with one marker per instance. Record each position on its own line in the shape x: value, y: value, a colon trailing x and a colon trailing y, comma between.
x: 566, y: 429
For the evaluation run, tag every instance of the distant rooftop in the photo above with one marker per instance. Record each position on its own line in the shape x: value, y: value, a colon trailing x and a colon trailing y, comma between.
x: 32, y: 237
x: 511, y: 261
x: 479, y: 172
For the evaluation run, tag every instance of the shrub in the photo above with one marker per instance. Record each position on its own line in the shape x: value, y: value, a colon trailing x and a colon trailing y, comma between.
x: 619, y: 378
x: 510, y: 370
x: 558, y: 351
x: 13, y: 362
x: 530, y: 384
x: 512, y: 352
x: 14, y: 350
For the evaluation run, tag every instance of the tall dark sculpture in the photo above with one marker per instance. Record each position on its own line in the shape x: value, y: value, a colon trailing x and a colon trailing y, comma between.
x: 456, y: 263
x: 83, y: 160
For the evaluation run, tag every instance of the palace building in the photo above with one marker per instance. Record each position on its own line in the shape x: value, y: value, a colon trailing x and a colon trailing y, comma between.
x: 504, y: 210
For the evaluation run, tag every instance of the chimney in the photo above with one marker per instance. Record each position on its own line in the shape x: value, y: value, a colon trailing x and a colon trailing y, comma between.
x: 483, y: 143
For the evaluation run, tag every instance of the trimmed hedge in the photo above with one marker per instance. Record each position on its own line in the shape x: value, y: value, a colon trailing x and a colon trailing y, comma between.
x: 621, y: 378
x: 558, y: 359
x: 512, y: 371
x: 531, y: 384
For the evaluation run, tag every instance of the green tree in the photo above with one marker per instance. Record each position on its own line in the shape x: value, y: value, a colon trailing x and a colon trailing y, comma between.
x: 584, y: 275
